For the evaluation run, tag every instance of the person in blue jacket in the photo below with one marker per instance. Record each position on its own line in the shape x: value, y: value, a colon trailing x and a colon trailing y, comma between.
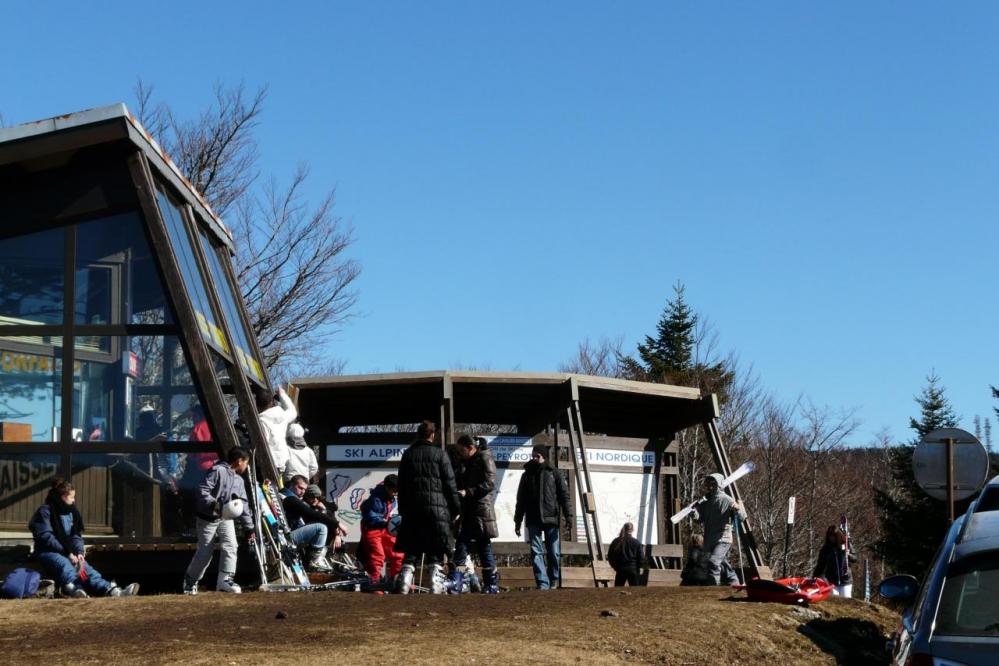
x: 58, y: 530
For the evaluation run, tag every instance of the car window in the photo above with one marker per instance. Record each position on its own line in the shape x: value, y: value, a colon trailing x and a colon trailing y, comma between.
x: 941, y: 556
x: 968, y: 603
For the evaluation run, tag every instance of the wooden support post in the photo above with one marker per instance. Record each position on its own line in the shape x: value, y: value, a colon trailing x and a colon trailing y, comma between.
x: 581, y: 492
x: 756, y: 564
x: 586, y: 475
x: 446, y: 436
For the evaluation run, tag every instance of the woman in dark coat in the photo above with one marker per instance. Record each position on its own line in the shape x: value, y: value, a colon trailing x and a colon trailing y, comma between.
x: 428, y: 505
x: 477, y: 487
x: 834, y: 562
x: 626, y: 556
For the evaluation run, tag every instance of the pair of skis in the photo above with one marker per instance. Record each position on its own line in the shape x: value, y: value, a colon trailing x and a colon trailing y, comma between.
x: 743, y: 470
x: 274, y: 548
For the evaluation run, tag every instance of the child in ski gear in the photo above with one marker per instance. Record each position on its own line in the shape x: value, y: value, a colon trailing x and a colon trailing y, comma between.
x: 301, y: 457
x: 695, y: 569
x: 716, y: 513
x: 626, y: 557
x: 477, y: 488
x: 834, y: 562
x: 377, y: 543
x: 541, y: 494
x: 222, y: 484
x: 58, y: 530
x: 309, y: 527
x: 429, y: 504
x: 276, y: 411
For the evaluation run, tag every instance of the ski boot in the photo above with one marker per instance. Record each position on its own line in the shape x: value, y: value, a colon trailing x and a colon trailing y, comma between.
x: 127, y: 591
x: 71, y: 591
x: 490, y: 581
x: 190, y: 586
x: 438, y: 580
x: 404, y: 581
x: 226, y: 584
x: 318, y: 561
x: 474, y: 585
x: 455, y: 583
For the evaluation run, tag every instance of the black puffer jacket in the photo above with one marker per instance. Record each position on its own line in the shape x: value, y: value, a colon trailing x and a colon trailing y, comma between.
x: 540, y: 495
x: 625, y: 552
x: 478, y: 480
x: 428, y: 500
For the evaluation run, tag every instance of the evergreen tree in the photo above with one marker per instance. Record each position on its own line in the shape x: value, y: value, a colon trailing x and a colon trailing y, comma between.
x: 912, y: 523
x: 670, y: 356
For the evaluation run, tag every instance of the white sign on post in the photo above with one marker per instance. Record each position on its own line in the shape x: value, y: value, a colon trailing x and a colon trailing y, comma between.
x: 790, y: 510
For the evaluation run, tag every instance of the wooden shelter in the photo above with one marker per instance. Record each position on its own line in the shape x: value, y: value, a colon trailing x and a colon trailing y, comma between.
x: 576, y: 414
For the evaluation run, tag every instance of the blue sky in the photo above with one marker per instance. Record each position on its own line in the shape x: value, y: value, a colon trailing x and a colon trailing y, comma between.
x: 822, y: 178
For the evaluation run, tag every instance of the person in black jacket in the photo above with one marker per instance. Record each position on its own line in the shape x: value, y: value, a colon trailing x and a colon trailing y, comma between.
x: 834, y: 561
x: 428, y: 505
x: 626, y: 557
x: 58, y: 530
x: 540, y: 495
x: 309, y: 526
x: 477, y: 487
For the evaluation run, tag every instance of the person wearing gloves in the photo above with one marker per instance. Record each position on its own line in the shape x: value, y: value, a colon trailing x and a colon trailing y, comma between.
x: 540, y: 495
x: 377, y: 543
x: 716, y: 513
x: 301, y: 457
x: 275, y: 412
x: 309, y: 526
x: 221, y: 501
x: 428, y: 505
x: 58, y: 530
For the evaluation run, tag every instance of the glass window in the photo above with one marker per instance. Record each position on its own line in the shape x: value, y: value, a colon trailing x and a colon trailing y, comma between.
x: 140, y: 390
x: 193, y: 279
x: 30, y: 388
x: 968, y: 601
x: 31, y: 278
x: 25, y: 480
x: 116, y: 277
x: 230, y: 306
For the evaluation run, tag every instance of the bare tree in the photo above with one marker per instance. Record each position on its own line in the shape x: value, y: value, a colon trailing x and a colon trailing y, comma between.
x: 294, y: 275
x: 599, y: 358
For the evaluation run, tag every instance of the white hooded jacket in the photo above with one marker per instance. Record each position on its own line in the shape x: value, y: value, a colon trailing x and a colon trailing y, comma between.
x: 301, y: 457
x: 274, y: 422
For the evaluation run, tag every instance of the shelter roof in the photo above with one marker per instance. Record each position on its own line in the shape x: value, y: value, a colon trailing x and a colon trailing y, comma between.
x: 525, y: 399
x: 72, y: 131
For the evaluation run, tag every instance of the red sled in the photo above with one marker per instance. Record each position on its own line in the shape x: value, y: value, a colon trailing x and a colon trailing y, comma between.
x: 796, y: 590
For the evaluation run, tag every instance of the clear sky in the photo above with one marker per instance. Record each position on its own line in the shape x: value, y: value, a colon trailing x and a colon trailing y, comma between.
x: 821, y: 176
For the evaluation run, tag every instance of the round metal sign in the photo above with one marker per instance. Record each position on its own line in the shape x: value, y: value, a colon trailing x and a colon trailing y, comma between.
x: 971, y: 463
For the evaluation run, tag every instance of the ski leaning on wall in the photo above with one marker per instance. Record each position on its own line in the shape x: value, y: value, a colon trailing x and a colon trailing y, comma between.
x: 275, y: 529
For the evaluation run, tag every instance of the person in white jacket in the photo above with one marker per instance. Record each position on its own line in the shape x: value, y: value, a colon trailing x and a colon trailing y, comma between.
x: 275, y: 413
x: 301, y: 458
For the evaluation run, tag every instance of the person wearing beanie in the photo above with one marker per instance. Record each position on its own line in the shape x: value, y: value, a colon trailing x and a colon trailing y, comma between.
x: 715, y: 512
x: 58, y: 530
x: 301, y: 458
x: 327, y: 515
x: 377, y: 542
x: 541, y: 494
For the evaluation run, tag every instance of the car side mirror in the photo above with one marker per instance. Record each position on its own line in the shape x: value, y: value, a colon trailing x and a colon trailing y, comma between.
x: 902, y: 587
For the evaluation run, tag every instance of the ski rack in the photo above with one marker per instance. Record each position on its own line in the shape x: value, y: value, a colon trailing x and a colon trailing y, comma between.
x: 756, y: 564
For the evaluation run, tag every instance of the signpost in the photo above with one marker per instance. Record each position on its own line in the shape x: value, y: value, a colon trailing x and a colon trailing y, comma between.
x: 787, y: 532
x: 950, y: 464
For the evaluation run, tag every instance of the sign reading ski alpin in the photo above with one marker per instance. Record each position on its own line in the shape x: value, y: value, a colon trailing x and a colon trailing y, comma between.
x: 745, y: 469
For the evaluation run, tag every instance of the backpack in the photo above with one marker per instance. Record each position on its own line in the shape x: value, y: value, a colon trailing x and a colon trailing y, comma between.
x: 21, y: 583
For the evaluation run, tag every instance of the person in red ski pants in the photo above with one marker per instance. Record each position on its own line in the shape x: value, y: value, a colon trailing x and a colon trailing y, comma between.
x: 377, y: 542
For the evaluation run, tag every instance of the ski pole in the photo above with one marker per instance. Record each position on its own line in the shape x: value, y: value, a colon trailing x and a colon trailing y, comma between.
x: 738, y: 545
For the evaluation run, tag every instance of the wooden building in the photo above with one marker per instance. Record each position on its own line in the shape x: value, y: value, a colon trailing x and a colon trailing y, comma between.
x: 125, y: 348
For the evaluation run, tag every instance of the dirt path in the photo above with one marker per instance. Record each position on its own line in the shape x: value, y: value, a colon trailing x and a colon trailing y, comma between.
x: 651, y: 625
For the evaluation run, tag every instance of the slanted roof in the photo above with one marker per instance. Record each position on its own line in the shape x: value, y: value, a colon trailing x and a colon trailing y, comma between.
x: 82, y: 129
x: 610, y: 406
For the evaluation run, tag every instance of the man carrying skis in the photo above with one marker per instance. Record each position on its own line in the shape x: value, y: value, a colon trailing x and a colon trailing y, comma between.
x: 716, y: 513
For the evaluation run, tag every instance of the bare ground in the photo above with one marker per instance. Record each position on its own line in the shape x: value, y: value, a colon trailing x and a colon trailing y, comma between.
x: 652, y: 625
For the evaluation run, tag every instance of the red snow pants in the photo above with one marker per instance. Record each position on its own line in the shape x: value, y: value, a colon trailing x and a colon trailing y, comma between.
x: 377, y: 545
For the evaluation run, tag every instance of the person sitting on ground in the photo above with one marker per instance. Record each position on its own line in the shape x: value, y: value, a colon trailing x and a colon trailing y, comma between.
x: 221, y: 501
x: 377, y: 543
x: 834, y: 562
x: 275, y: 412
x: 309, y: 526
x: 626, y: 557
x: 301, y: 457
x: 695, y: 569
x: 334, y: 530
x: 58, y: 530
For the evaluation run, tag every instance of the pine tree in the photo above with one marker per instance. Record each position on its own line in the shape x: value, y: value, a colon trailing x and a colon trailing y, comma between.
x: 912, y: 523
